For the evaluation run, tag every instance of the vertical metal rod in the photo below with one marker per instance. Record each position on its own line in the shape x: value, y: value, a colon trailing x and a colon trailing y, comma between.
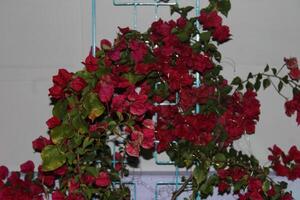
x: 197, y: 10
x: 94, y: 27
x: 135, y: 15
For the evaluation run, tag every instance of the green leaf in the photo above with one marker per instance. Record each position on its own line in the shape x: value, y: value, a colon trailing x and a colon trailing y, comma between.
x: 236, y: 81
x: 280, y: 86
x: 60, y: 109
x: 220, y: 157
x: 249, y: 85
x: 218, y: 56
x: 266, y: 83
x: 295, y: 91
x: 224, y: 6
x: 94, y: 108
x: 59, y: 133
x: 266, y: 186
x: 183, y: 36
x: 132, y: 77
x: 162, y: 90
x: 199, y: 174
x: 285, y: 79
x: 219, y: 160
x: 267, y: 68
x: 87, y: 142
x: 92, y: 171
x: 257, y: 85
x: 70, y: 157
x: 274, y: 70
x: 205, y: 36
x: 102, y: 71
x: 250, y: 75
x: 52, y: 158
x: 79, y: 124
x: 174, y: 8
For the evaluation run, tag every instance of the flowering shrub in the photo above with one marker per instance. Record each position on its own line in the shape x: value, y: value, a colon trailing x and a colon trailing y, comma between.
x: 144, y: 87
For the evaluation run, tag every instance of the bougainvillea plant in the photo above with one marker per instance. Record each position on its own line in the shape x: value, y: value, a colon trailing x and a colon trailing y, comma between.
x: 144, y: 87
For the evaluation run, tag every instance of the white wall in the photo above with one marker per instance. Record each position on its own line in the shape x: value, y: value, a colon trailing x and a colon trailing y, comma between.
x: 39, y: 36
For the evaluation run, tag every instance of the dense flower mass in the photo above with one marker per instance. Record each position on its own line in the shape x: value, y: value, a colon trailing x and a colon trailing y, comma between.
x: 165, y: 85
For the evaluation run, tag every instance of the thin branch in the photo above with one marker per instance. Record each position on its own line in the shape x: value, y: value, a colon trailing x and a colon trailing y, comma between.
x: 182, y: 188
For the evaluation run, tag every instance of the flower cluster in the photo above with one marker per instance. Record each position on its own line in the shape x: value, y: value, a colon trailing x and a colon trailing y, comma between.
x: 146, y: 86
x: 212, y: 21
x: 14, y: 187
x: 287, y: 165
x: 292, y: 65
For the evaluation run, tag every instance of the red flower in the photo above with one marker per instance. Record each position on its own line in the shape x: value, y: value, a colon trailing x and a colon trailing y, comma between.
x: 181, y: 22
x: 291, y: 63
x: 88, y: 179
x: 39, y: 144
x: 3, y: 172
x: 61, y: 171
x: 223, y: 187
x: 91, y: 63
x: 210, y: 20
x: 73, y: 185
x: 148, y: 123
x: 148, y: 138
x: 53, y: 122
x: 254, y: 184
x: 237, y: 174
x: 106, y: 91
x: 103, y: 179
x: 295, y: 74
x: 105, y: 44
x: 27, y: 167
x: 294, y: 154
x: 57, y: 195
x: 138, y: 108
x: 281, y: 170
x: 201, y: 63
x: 221, y: 34
x: 293, y: 106
x: 62, y: 78
x: 133, y: 150
x: 287, y: 196
x: 78, y: 84
x: 57, y: 92
x: 276, y: 151
x: 114, y: 55
x: 48, y: 180
x: 138, y: 50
